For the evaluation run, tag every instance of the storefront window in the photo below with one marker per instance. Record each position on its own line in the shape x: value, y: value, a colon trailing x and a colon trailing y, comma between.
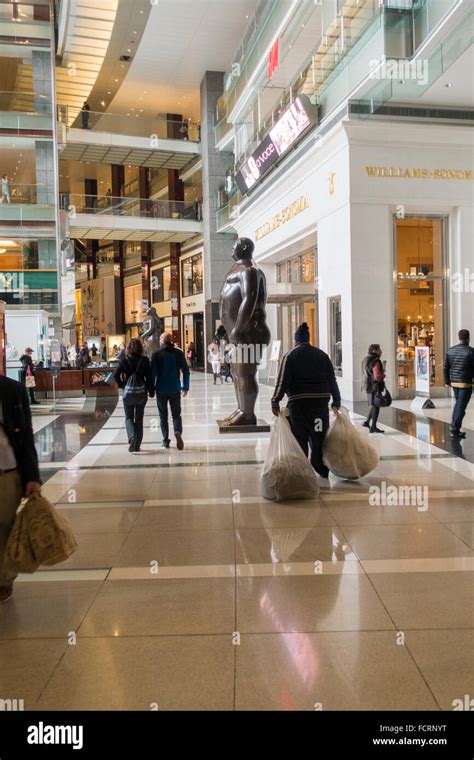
x: 421, y: 302
x: 335, y: 333
x: 192, y: 275
x: 160, y: 284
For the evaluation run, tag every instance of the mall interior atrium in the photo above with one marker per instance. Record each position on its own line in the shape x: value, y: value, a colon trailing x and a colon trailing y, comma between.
x: 236, y: 308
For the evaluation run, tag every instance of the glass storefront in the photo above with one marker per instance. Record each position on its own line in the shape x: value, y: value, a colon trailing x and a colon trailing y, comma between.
x: 335, y: 333
x: 420, y: 297
x: 193, y: 331
x: 299, y: 269
x: 192, y: 276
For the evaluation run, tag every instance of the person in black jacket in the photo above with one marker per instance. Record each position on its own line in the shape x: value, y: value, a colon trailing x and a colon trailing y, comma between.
x: 307, y: 377
x: 373, y: 378
x: 133, y: 362
x: 28, y: 368
x: 19, y: 471
x: 459, y: 375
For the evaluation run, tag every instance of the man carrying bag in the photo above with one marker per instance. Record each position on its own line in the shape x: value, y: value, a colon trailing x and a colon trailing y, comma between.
x: 19, y: 472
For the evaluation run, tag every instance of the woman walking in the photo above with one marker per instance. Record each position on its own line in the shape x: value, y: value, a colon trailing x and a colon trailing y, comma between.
x: 214, y: 358
x: 373, y: 375
x: 133, y: 374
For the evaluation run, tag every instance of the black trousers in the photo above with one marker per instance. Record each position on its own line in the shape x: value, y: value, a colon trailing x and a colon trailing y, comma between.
x: 134, y: 421
x: 310, y: 422
x: 174, y: 400
x: 462, y: 396
x: 374, y: 412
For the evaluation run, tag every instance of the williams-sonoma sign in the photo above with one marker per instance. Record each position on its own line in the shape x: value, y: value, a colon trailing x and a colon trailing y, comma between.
x: 283, y: 216
x: 416, y: 173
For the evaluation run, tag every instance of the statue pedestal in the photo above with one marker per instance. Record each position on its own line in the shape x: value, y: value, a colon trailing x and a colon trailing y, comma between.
x: 260, y: 427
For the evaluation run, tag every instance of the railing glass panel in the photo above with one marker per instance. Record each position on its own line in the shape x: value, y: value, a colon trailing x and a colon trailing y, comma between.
x: 140, y: 207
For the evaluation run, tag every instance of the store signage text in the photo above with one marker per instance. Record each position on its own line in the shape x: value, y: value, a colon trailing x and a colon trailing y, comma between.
x: 289, y: 212
x: 415, y: 173
x: 300, y: 115
x: 11, y: 281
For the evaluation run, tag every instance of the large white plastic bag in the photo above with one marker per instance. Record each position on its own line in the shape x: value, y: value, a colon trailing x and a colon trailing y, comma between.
x: 287, y: 472
x: 346, y: 451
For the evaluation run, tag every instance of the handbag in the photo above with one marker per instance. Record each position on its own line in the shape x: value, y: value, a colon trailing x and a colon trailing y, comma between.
x: 381, y: 397
x: 135, y: 391
x: 40, y: 536
x: 30, y: 381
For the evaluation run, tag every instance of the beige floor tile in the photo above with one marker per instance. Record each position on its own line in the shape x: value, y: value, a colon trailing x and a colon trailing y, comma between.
x: 427, y: 600
x: 301, y: 604
x: 25, y: 667
x: 115, y: 485
x: 303, y: 514
x: 446, y: 661
x: 96, y: 520
x: 188, y: 489
x: 187, y: 517
x: 453, y: 509
x: 176, y: 547
x: 360, y: 513
x: 156, y: 607
x: 335, y: 671
x: 464, y: 531
x: 94, y: 550
x: 291, y: 544
x: 404, y: 541
x: 45, y: 610
x: 176, y: 673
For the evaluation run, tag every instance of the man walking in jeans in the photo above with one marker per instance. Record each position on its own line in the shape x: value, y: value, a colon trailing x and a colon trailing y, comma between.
x: 459, y: 374
x: 167, y: 366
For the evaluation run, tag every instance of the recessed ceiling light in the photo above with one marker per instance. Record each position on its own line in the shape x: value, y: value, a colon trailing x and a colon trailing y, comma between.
x: 448, y: 84
x: 109, y: 92
x: 115, y: 80
x: 102, y: 103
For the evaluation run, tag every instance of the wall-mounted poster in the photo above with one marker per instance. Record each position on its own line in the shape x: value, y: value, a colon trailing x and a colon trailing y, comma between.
x: 422, y: 369
x: 90, y: 300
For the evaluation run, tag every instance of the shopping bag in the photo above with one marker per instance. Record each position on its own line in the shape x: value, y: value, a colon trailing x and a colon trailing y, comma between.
x: 287, y: 472
x: 346, y: 451
x: 30, y: 381
x: 40, y: 536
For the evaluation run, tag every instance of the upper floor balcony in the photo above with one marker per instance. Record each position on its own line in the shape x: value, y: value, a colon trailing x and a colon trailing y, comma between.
x: 356, y: 35
x: 107, y: 217
x: 27, y: 114
x: 128, y: 138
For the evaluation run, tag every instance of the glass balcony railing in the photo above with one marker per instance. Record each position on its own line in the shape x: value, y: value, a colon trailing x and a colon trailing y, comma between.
x: 413, y: 87
x: 130, y: 123
x: 31, y: 103
x: 28, y: 194
x: 149, y: 208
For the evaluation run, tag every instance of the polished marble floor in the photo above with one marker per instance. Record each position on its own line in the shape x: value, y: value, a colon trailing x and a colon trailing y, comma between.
x: 191, y: 592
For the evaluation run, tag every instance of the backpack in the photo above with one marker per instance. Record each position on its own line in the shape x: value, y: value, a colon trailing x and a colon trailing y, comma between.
x: 135, y: 391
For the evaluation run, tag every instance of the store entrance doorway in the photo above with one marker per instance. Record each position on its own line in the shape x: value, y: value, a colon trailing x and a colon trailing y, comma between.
x: 193, y: 331
x: 421, y: 298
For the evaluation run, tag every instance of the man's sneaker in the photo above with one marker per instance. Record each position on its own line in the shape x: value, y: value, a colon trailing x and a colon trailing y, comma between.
x: 366, y: 424
x: 166, y: 444
x: 376, y: 430
x: 179, y: 441
x: 6, y: 593
x: 131, y: 446
x: 457, y: 434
